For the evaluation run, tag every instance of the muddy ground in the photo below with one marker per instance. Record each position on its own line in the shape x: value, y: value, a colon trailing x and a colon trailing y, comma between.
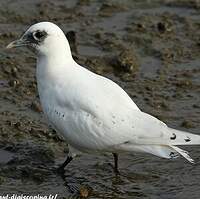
x: 150, y: 48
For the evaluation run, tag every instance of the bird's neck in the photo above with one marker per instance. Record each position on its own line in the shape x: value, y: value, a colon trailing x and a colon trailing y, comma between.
x: 52, y: 65
x: 56, y: 58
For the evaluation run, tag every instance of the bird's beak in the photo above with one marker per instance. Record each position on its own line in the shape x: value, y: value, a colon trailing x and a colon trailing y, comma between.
x: 17, y: 43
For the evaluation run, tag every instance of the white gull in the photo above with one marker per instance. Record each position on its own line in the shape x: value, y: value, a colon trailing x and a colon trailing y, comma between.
x: 92, y: 112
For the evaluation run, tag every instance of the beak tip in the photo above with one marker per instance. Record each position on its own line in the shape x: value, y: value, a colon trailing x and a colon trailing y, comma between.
x: 16, y: 43
x: 9, y: 46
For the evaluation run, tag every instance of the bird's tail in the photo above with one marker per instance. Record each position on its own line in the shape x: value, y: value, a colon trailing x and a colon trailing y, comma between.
x: 166, y: 145
x: 164, y: 151
x: 184, y: 153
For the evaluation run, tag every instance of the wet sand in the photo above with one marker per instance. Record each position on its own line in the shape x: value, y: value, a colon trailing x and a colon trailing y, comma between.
x: 150, y: 48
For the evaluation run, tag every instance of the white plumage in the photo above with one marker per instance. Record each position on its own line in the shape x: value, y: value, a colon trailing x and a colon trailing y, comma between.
x: 93, y: 113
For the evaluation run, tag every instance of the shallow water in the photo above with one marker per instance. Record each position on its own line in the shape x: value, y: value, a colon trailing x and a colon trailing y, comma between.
x: 161, y: 75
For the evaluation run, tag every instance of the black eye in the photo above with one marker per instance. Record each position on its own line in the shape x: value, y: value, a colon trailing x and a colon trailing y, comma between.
x: 38, y: 35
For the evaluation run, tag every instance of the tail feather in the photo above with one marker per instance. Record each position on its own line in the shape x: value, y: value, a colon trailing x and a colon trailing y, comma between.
x: 184, y: 153
x: 164, y: 151
x: 169, y: 152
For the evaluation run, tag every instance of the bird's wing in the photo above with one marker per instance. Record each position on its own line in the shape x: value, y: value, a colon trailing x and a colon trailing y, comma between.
x: 127, y: 121
x: 120, y: 118
x: 138, y: 128
x: 151, y: 131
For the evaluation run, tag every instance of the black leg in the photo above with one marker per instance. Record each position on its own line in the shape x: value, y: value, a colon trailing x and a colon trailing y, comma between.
x: 115, y: 155
x: 61, y: 169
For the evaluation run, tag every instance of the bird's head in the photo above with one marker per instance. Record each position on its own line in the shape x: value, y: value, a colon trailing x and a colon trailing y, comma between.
x: 42, y: 38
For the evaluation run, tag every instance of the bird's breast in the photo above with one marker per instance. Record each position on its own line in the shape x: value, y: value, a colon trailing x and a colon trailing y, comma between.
x: 79, y: 129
